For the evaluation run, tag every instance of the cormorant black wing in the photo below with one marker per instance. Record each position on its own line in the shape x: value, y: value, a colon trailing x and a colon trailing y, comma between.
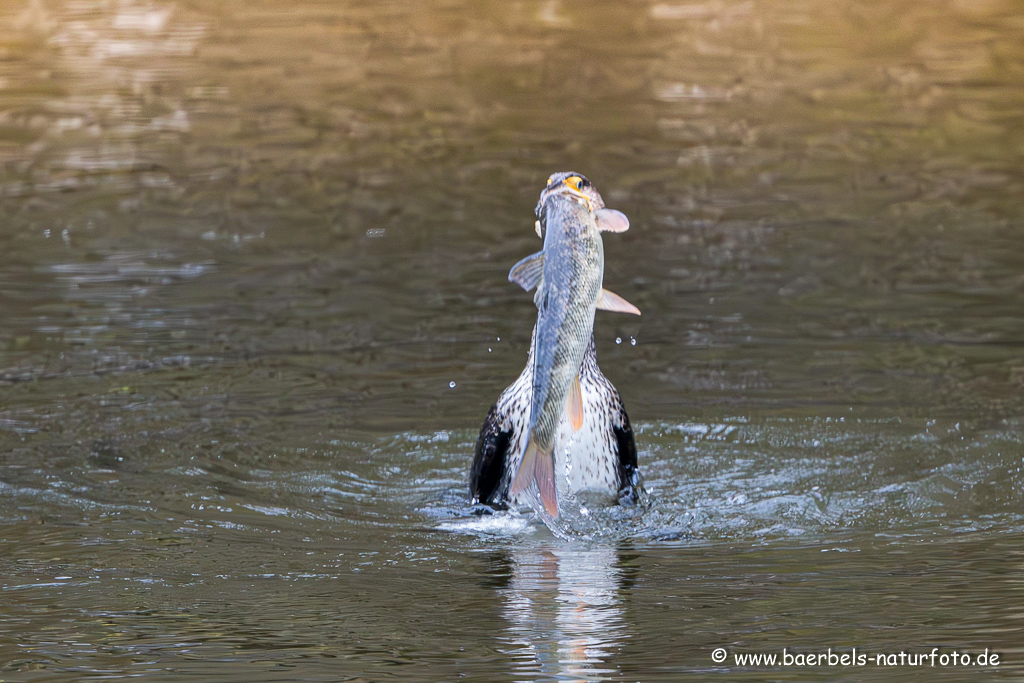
x: 488, y: 469
x: 630, y: 483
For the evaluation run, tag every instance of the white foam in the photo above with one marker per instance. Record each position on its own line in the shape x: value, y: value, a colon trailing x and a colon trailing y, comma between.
x: 501, y: 524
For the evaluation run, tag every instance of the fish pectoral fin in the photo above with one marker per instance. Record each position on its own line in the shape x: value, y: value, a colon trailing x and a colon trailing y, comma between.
x: 527, y: 273
x: 610, y: 301
x: 538, y: 297
x: 574, y: 404
x: 610, y: 220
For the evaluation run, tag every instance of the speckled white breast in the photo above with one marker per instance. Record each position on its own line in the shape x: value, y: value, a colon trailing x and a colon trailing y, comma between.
x: 586, y: 461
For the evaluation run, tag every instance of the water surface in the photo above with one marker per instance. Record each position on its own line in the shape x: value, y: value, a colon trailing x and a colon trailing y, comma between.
x: 253, y: 262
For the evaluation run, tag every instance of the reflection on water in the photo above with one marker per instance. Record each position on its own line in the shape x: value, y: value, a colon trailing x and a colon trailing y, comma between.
x: 116, y: 120
x: 564, y: 612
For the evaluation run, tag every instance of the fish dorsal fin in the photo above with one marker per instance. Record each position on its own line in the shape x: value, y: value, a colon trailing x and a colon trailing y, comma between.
x: 574, y: 404
x: 610, y: 220
x: 610, y: 301
x: 527, y: 273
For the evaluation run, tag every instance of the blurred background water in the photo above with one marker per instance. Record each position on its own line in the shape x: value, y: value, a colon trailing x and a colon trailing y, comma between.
x: 253, y: 262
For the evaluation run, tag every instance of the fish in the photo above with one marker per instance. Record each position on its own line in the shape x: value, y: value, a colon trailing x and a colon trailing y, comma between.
x: 568, y: 276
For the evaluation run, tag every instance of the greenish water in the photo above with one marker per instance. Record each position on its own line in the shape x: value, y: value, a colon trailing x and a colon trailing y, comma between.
x: 253, y: 262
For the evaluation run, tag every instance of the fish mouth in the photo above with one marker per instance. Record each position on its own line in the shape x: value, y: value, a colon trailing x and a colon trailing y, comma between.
x: 568, y: 187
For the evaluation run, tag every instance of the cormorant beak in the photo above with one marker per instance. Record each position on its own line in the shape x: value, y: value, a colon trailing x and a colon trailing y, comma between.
x: 571, y: 187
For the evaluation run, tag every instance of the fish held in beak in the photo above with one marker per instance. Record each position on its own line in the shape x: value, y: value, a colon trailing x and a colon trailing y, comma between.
x: 567, y: 275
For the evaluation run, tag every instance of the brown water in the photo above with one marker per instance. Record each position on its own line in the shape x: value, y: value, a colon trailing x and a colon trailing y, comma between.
x: 253, y: 263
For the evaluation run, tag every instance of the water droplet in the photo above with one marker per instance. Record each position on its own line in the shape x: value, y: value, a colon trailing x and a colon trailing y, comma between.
x: 488, y: 349
x: 632, y: 341
x: 499, y: 338
x: 451, y: 385
x: 618, y: 340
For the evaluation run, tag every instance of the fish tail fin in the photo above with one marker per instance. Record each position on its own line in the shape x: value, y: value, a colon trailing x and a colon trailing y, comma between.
x: 538, y: 466
x: 544, y: 475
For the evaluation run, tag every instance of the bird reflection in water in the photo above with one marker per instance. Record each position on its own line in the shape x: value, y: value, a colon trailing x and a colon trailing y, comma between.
x: 565, y: 613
